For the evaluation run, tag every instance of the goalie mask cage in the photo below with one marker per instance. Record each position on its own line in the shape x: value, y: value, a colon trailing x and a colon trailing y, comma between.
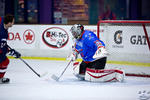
x: 128, y: 43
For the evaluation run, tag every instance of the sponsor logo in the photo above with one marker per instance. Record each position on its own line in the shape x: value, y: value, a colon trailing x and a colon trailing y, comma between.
x: 55, y: 37
x: 118, y: 39
x: 134, y: 39
x: 29, y: 36
x: 144, y: 95
x: 14, y: 36
x: 138, y: 40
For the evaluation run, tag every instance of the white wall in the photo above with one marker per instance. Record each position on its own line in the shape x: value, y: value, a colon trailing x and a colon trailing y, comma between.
x: 29, y: 40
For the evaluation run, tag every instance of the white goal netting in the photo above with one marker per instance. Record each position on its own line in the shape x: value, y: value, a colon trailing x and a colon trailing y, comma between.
x: 127, y: 42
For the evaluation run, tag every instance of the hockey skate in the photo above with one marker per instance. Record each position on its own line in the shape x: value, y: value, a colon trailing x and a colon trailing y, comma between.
x: 79, y: 76
x: 4, y: 80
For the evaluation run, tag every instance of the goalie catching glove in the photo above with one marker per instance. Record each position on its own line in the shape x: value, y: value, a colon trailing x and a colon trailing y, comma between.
x: 100, y: 53
x: 14, y: 53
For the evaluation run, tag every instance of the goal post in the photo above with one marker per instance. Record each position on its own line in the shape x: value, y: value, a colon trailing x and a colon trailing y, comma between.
x: 127, y: 41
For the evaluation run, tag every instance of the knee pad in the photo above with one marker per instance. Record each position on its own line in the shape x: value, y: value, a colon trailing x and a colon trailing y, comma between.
x: 4, y: 63
x: 105, y: 75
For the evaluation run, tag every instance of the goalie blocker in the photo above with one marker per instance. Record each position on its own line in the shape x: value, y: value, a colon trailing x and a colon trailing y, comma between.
x: 99, y: 75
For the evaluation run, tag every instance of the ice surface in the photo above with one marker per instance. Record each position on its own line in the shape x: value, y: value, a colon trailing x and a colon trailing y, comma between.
x: 25, y: 85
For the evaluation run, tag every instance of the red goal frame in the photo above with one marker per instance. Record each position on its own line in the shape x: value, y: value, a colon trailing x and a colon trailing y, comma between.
x: 124, y: 21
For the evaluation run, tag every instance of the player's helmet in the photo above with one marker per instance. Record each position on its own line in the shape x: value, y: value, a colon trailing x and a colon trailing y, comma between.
x: 77, y: 30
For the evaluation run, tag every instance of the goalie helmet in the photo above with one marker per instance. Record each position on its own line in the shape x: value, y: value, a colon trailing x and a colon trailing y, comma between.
x: 77, y: 30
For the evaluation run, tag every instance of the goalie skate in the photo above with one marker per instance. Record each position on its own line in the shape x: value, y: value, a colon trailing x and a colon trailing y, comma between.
x: 4, y: 80
x: 79, y: 76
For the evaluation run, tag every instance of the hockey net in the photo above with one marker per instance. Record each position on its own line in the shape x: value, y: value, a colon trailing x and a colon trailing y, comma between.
x: 128, y: 43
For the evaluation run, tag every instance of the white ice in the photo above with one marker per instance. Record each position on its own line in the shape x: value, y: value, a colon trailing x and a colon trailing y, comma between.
x: 25, y: 85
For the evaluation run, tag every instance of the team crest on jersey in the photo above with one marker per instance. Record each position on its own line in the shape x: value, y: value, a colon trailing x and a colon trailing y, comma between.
x: 98, y: 43
x: 55, y: 37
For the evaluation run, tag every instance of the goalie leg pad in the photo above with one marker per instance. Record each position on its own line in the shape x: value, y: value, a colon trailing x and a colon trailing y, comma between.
x: 106, y: 75
x: 120, y: 75
x: 76, y: 67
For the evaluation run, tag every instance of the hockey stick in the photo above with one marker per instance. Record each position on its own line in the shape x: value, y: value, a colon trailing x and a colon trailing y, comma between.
x: 56, y: 77
x: 33, y: 69
x: 30, y: 66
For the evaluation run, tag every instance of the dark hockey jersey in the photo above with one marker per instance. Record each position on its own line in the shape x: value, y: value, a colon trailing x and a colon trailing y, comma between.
x: 3, y: 40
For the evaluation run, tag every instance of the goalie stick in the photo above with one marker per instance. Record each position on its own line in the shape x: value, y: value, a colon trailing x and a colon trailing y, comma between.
x: 58, y: 77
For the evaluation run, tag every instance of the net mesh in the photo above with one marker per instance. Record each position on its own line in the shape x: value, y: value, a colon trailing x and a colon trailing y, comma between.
x: 127, y: 42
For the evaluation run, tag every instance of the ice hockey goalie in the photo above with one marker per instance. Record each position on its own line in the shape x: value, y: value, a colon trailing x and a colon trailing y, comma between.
x: 93, y: 52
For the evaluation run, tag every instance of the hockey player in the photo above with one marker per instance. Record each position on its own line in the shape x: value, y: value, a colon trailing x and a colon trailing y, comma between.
x: 93, y: 52
x: 5, y: 24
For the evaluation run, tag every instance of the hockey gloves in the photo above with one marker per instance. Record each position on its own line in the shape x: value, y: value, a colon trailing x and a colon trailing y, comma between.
x: 72, y: 57
x: 14, y: 53
x: 100, y: 53
x: 3, y: 43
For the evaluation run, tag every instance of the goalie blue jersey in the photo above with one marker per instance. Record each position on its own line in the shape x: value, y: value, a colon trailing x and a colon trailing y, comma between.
x: 88, y: 45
